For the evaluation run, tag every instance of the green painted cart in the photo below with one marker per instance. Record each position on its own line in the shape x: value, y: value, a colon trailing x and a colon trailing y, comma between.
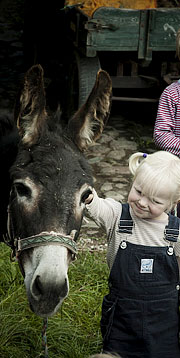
x: 136, y: 47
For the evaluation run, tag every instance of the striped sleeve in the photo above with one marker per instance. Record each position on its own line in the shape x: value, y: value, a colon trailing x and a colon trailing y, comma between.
x: 167, y: 125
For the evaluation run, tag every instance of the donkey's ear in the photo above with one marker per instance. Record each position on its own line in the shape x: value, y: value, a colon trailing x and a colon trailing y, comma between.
x: 30, y: 105
x: 88, y: 122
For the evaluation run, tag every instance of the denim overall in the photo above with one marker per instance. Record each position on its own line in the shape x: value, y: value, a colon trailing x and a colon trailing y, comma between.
x: 140, y: 316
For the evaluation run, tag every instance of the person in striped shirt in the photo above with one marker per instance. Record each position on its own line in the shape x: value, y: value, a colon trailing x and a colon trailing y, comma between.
x: 167, y: 124
x: 140, y: 316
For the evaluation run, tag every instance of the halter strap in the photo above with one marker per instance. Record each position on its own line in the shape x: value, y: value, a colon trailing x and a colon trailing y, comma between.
x: 45, y: 239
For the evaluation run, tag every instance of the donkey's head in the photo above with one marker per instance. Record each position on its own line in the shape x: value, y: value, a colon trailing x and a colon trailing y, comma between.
x: 50, y: 181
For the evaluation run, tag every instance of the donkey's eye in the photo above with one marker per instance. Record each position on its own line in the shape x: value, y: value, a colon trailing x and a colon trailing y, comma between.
x: 22, y: 190
x: 85, y: 195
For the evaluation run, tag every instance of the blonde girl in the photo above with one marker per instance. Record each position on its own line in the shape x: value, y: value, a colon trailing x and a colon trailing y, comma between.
x: 140, y: 316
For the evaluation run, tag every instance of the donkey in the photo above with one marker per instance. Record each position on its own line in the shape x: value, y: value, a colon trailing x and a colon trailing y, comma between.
x: 50, y: 180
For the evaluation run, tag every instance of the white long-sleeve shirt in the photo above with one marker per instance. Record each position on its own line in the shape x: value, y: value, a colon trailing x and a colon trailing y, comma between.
x: 149, y: 232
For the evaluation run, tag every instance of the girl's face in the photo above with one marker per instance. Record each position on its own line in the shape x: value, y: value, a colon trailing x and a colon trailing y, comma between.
x: 148, y: 208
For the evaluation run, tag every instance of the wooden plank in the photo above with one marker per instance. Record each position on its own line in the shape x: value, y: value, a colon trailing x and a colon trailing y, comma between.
x: 114, y: 30
x: 142, y: 34
x: 133, y: 82
x: 135, y: 99
x: 163, y: 26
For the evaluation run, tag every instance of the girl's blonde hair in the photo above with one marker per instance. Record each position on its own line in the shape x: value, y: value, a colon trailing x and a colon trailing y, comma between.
x: 157, y: 171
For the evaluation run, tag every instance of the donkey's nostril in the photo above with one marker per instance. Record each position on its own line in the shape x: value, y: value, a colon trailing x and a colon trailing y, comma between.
x: 49, y: 291
x: 37, y: 288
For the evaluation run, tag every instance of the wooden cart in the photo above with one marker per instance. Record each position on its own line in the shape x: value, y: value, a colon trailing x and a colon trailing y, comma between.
x: 137, y: 48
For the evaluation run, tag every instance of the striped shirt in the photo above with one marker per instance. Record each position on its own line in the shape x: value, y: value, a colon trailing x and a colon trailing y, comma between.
x: 167, y: 125
x: 149, y: 232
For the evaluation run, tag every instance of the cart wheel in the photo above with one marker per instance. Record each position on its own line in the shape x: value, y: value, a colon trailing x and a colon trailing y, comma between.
x: 82, y: 75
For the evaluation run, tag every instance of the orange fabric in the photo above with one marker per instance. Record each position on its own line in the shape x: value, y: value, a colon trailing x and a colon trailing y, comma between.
x: 89, y: 6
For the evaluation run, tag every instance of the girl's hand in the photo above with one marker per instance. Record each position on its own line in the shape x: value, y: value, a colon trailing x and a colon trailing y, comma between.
x: 89, y: 199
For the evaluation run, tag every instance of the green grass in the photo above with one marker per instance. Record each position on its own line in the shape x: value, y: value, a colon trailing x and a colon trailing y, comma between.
x: 74, y: 332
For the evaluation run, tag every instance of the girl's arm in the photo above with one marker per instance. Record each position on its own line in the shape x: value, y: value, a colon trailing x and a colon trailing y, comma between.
x: 103, y: 211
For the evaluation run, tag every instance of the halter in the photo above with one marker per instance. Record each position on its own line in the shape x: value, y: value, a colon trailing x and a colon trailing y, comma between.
x: 44, y: 238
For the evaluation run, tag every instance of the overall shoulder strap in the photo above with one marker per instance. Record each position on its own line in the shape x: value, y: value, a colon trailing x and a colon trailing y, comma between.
x: 171, y: 231
x: 125, y: 222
